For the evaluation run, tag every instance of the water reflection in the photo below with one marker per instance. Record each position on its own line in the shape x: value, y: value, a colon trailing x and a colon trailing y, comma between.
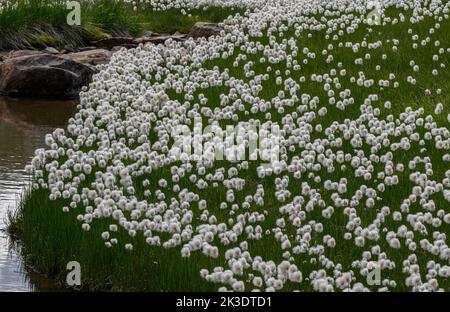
x: 23, y: 125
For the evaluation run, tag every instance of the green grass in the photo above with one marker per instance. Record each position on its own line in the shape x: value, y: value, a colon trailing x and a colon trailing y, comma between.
x: 26, y: 24
x: 52, y: 238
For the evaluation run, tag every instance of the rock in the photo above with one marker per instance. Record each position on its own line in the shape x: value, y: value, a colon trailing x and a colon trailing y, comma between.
x: 19, y: 53
x: 92, y: 57
x: 202, y: 29
x: 114, y: 41
x: 50, y: 50
x: 44, y: 75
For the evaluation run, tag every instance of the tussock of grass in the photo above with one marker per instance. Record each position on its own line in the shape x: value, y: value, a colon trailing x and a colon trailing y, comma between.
x: 14, y: 223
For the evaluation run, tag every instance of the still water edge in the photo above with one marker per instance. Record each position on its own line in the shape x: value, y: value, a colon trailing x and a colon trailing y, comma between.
x: 23, y: 126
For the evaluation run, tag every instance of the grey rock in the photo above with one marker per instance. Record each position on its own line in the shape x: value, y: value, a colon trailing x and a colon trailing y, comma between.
x: 91, y: 57
x: 44, y: 75
x: 202, y: 29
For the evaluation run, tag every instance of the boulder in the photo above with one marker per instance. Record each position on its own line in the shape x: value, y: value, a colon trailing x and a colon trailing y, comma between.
x: 91, y: 57
x: 44, y: 75
x: 202, y: 29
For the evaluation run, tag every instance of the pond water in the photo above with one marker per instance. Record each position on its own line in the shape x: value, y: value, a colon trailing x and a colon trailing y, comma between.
x: 23, y: 125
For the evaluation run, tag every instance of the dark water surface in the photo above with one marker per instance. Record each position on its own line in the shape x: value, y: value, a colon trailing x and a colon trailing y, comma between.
x: 23, y: 125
